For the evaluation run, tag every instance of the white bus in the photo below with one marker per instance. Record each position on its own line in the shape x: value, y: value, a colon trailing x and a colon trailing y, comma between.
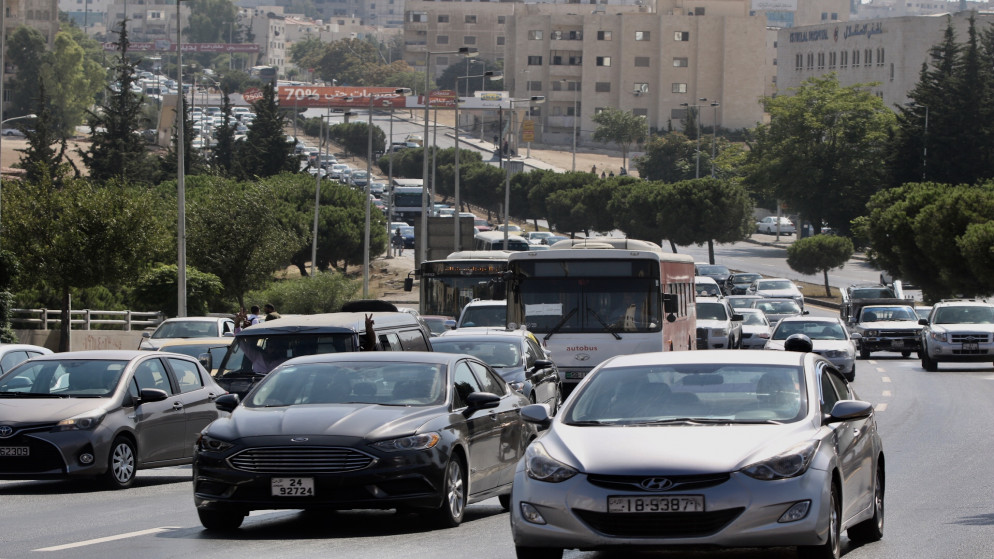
x: 592, y: 299
x: 447, y: 285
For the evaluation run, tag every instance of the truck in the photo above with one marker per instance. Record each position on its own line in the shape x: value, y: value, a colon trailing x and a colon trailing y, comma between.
x: 883, y: 317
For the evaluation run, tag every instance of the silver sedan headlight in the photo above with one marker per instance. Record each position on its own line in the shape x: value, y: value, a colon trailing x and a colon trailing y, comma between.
x: 790, y: 463
x: 542, y: 467
x: 836, y: 354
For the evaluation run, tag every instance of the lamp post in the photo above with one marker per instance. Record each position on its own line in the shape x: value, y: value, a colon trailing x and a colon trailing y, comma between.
x: 697, y: 117
x: 12, y: 118
x: 576, y: 116
x: 714, y: 133
x: 426, y: 193
x: 180, y: 174
x: 388, y: 145
x: 456, y: 245
x: 507, y: 168
x: 925, y: 144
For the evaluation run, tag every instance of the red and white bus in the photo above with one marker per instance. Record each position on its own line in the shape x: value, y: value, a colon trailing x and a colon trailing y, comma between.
x: 591, y: 299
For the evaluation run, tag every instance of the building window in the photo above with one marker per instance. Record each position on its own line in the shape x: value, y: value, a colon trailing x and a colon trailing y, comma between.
x: 500, y: 41
x: 824, y: 16
x: 501, y: 20
x: 641, y: 112
x: 681, y: 36
x: 535, y: 35
x: 679, y: 88
x: 855, y: 59
x: 640, y: 88
x: 698, y: 11
x: 821, y: 61
x: 843, y: 59
x: 602, y: 87
x: 811, y: 61
x: 891, y: 71
x: 603, y: 35
x: 603, y: 61
x: 534, y: 60
x: 469, y: 40
x: 680, y: 62
x: 470, y: 19
x: 443, y: 19
x: 641, y: 35
x: 880, y: 56
x: 798, y: 61
x: 678, y: 114
x: 534, y: 86
x: 868, y: 55
x: 417, y: 17
x: 835, y: 16
x: 831, y: 60
x: 599, y: 110
x: 442, y: 40
x: 641, y: 61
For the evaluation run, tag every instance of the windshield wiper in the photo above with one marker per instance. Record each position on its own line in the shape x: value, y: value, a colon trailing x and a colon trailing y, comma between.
x: 685, y: 420
x: 30, y: 395
x: 589, y: 422
x: 560, y: 324
x: 604, y: 324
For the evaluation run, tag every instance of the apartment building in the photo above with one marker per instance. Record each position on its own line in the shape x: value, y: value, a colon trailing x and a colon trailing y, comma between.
x: 385, y: 13
x: 42, y: 15
x: 148, y: 20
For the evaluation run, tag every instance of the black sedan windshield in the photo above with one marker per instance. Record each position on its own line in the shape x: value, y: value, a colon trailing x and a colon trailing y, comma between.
x: 388, y: 383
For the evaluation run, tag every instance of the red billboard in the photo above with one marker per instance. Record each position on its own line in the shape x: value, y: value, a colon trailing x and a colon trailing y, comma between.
x: 309, y: 96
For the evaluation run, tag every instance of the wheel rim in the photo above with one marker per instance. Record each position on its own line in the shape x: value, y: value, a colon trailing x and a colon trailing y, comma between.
x: 833, y: 529
x: 454, y: 489
x: 123, y: 463
x: 878, y: 502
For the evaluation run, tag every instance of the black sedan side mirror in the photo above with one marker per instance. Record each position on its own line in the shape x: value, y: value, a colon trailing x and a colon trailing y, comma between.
x: 923, y: 321
x: 227, y: 402
x: 541, y: 364
x: 477, y: 401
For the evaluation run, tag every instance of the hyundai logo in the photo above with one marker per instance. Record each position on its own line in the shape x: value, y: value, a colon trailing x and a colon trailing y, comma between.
x: 582, y: 357
x: 656, y: 484
x: 6, y: 431
x: 299, y: 440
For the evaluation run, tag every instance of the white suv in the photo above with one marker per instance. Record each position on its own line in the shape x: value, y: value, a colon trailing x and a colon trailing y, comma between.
x: 483, y: 313
x: 958, y: 331
x: 718, y: 326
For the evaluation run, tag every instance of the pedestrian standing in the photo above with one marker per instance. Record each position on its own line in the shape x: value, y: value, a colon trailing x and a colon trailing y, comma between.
x: 271, y: 313
x: 398, y: 243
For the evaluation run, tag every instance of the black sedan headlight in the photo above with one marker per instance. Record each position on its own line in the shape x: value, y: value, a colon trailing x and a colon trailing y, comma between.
x: 208, y: 443
x: 422, y: 441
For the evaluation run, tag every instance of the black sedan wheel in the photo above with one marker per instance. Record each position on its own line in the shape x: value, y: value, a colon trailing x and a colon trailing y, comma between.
x: 220, y: 520
x: 121, y: 464
x: 454, y: 494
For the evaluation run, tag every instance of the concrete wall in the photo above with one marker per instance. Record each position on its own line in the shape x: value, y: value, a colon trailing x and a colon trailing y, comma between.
x: 81, y: 340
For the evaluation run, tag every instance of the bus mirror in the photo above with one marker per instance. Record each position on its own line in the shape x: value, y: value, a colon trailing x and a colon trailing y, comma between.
x: 671, y: 317
x: 670, y: 303
x: 408, y: 283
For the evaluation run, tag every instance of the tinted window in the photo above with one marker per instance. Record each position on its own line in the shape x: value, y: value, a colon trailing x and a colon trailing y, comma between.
x: 12, y: 358
x: 488, y: 380
x: 465, y: 384
x: 151, y: 374
x: 828, y: 395
x: 187, y: 375
x: 413, y: 340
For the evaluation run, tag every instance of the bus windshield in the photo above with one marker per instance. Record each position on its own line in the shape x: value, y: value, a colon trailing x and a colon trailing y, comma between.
x: 446, y: 286
x: 590, y: 304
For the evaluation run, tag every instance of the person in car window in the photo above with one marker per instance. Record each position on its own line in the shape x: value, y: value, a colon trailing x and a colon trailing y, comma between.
x: 271, y: 313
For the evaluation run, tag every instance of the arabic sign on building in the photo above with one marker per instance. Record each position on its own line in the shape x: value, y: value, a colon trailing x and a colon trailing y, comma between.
x: 169, y: 46
x: 340, y: 96
x: 774, y: 5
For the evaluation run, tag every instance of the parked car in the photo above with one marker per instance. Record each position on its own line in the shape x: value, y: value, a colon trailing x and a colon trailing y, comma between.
x: 373, y: 430
x: 516, y: 356
x: 777, y: 287
x: 186, y: 327
x: 768, y: 225
x: 12, y: 355
x: 959, y: 332
x: 718, y: 326
x: 102, y: 414
x: 829, y: 338
x: 778, y: 309
x: 793, y: 458
x: 739, y: 282
x: 756, y: 328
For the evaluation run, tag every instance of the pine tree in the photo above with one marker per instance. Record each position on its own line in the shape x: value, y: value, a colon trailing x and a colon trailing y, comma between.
x: 266, y: 150
x: 193, y: 160
x: 41, y: 158
x: 223, y: 157
x: 117, y: 150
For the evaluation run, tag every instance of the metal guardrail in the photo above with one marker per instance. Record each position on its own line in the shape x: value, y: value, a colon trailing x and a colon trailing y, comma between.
x: 49, y: 319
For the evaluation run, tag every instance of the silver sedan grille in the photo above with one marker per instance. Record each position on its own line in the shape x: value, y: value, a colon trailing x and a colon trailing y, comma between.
x: 300, y: 460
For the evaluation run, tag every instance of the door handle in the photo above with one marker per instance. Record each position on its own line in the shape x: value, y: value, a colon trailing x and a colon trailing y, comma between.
x: 211, y: 396
x: 177, y: 405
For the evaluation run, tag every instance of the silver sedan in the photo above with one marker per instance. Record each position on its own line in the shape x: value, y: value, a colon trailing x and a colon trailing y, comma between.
x: 705, y: 448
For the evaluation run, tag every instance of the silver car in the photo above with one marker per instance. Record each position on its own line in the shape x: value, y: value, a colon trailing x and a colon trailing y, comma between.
x: 702, y: 448
x: 777, y: 287
x: 778, y: 309
x: 756, y: 329
x: 829, y: 338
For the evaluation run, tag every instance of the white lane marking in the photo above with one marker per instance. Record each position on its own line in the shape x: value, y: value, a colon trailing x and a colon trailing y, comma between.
x: 881, y: 370
x: 885, y: 393
x: 109, y: 539
x: 880, y: 407
x: 884, y: 379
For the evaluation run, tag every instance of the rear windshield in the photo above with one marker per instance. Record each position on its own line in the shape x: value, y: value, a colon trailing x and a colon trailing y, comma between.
x: 261, y: 354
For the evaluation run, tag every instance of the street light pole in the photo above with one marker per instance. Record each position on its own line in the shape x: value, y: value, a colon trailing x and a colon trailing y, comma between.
x: 697, y: 117
x: 180, y: 173
x: 457, y: 245
x: 714, y: 134
x: 369, y: 178
x: 507, y: 168
x: 576, y: 116
x: 925, y: 145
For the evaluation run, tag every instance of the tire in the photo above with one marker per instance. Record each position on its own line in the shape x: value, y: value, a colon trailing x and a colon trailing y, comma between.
x: 220, y: 520
x: 454, y: 495
x: 851, y: 375
x: 538, y: 552
x: 928, y: 363
x: 905, y: 354
x: 832, y: 548
x: 872, y: 529
x: 121, y: 464
x: 505, y: 501
x: 864, y: 353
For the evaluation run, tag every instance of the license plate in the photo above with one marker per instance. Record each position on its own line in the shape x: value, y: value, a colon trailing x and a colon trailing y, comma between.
x: 15, y: 451
x: 575, y: 374
x: 658, y: 503
x: 293, y: 486
x: 971, y: 346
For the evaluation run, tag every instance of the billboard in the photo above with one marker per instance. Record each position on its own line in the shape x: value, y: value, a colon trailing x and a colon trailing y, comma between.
x: 774, y: 5
x: 169, y: 46
x: 314, y: 96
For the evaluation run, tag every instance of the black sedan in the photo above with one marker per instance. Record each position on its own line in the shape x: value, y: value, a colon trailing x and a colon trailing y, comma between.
x: 738, y: 283
x: 417, y: 431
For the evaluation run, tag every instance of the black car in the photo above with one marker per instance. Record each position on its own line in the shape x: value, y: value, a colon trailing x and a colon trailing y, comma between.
x: 738, y: 283
x: 716, y: 272
x: 417, y: 431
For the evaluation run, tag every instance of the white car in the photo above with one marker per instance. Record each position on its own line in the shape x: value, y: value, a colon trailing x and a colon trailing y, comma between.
x: 777, y: 288
x: 829, y: 338
x: 769, y: 225
x: 337, y: 169
x: 187, y: 327
x: 957, y: 331
x: 483, y: 313
x: 718, y: 326
x: 707, y: 287
x: 756, y: 328
x: 14, y: 354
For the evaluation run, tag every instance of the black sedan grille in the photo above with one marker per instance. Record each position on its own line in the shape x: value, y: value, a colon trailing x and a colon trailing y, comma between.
x: 659, y: 525
x: 300, y: 460
x: 678, y: 483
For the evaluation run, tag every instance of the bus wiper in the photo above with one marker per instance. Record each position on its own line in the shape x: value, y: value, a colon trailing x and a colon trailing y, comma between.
x: 604, y: 324
x: 559, y: 325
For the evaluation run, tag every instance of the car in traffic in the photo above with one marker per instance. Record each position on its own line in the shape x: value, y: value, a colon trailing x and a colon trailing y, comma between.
x: 335, y: 173
x: 438, y: 324
x: 407, y: 232
x: 186, y: 327
x: 960, y: 331
x: 208, y: 351
x: 538, y: 237
x: 777, y: 287
x: 778, y: 309
x: 512, y: 229
x: 741, y: 301
x: 716, y: 272
x: 829, y: 338
x: 481, y: 225
x: 359, y: 179
x: 480, y: 313
x: 768, y: 225
x: 103, y: 414
x: 707, y: 287
x: 888, y: 328
x: 12, y: 355
x: 516, y: 356
x: 793, y: 458
x: 718, y: 326
x: 738, y: 283
x: 377, y: 188
x: 428, y: 432
x: 756, y: 328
